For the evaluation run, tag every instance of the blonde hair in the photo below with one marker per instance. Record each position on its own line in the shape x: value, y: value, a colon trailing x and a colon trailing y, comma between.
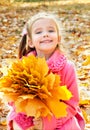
x: 41, y: 15
x: 24, y: 48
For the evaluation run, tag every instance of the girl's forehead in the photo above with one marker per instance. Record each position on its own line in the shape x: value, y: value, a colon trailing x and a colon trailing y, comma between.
x: 43, y: 22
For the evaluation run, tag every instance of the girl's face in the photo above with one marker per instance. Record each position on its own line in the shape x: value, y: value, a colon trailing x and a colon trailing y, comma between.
x: 44, y: 37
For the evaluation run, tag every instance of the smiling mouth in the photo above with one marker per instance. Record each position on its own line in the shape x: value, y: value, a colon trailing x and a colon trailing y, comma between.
x: 46, y: 41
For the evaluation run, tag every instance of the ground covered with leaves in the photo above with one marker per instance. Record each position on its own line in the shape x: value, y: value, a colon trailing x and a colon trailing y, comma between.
x: 75, y: 18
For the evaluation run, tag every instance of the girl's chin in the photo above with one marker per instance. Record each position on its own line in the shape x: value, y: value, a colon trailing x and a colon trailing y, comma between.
x: 46, y: 46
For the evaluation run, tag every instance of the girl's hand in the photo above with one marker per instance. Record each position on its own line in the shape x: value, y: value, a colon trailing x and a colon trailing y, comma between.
x: 38, y: 125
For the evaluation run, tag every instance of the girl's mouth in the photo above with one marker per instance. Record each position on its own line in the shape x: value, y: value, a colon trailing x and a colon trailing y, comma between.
x: 46, y: 41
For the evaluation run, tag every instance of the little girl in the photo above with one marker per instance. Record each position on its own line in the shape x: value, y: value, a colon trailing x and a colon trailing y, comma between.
x: 42, y: 38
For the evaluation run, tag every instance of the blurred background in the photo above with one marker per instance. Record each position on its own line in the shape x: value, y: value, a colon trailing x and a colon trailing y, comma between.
x: 75, y: 18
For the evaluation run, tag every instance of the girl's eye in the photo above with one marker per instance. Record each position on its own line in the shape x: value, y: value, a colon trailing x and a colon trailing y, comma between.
x: 51, y: 31
x: 38, y: 32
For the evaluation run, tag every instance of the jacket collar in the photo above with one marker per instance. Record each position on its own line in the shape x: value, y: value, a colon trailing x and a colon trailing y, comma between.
x: 57, y: 61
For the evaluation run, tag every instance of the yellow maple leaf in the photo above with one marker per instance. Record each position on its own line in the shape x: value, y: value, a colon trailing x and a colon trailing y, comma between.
x: 87, y: 61
x: 29, y: 84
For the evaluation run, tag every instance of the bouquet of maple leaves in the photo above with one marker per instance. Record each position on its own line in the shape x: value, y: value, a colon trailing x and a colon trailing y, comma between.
x: 33, y: 89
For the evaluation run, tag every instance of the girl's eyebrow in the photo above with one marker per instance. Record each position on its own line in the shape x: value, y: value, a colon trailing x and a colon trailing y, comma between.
x: 52, y: 27
x: 37, y: 29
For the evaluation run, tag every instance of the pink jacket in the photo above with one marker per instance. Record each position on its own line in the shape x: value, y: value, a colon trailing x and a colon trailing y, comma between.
x: 74, y: 121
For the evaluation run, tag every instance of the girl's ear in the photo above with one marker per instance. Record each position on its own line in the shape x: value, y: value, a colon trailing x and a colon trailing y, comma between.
x: 29, y: 42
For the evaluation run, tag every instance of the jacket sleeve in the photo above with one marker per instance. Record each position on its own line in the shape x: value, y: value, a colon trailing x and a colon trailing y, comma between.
x: 69, y: 78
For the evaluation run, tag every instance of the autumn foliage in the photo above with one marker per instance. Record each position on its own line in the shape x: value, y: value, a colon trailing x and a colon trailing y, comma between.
x: 75, y: 16
x: 29, y: 84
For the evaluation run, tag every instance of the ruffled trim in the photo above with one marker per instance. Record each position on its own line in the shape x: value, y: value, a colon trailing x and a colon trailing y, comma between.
x: 56, y: 62
x: 21, y: 119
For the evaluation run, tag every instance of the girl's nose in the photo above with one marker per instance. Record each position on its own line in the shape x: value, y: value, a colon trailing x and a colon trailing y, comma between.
x: 45, y: 34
